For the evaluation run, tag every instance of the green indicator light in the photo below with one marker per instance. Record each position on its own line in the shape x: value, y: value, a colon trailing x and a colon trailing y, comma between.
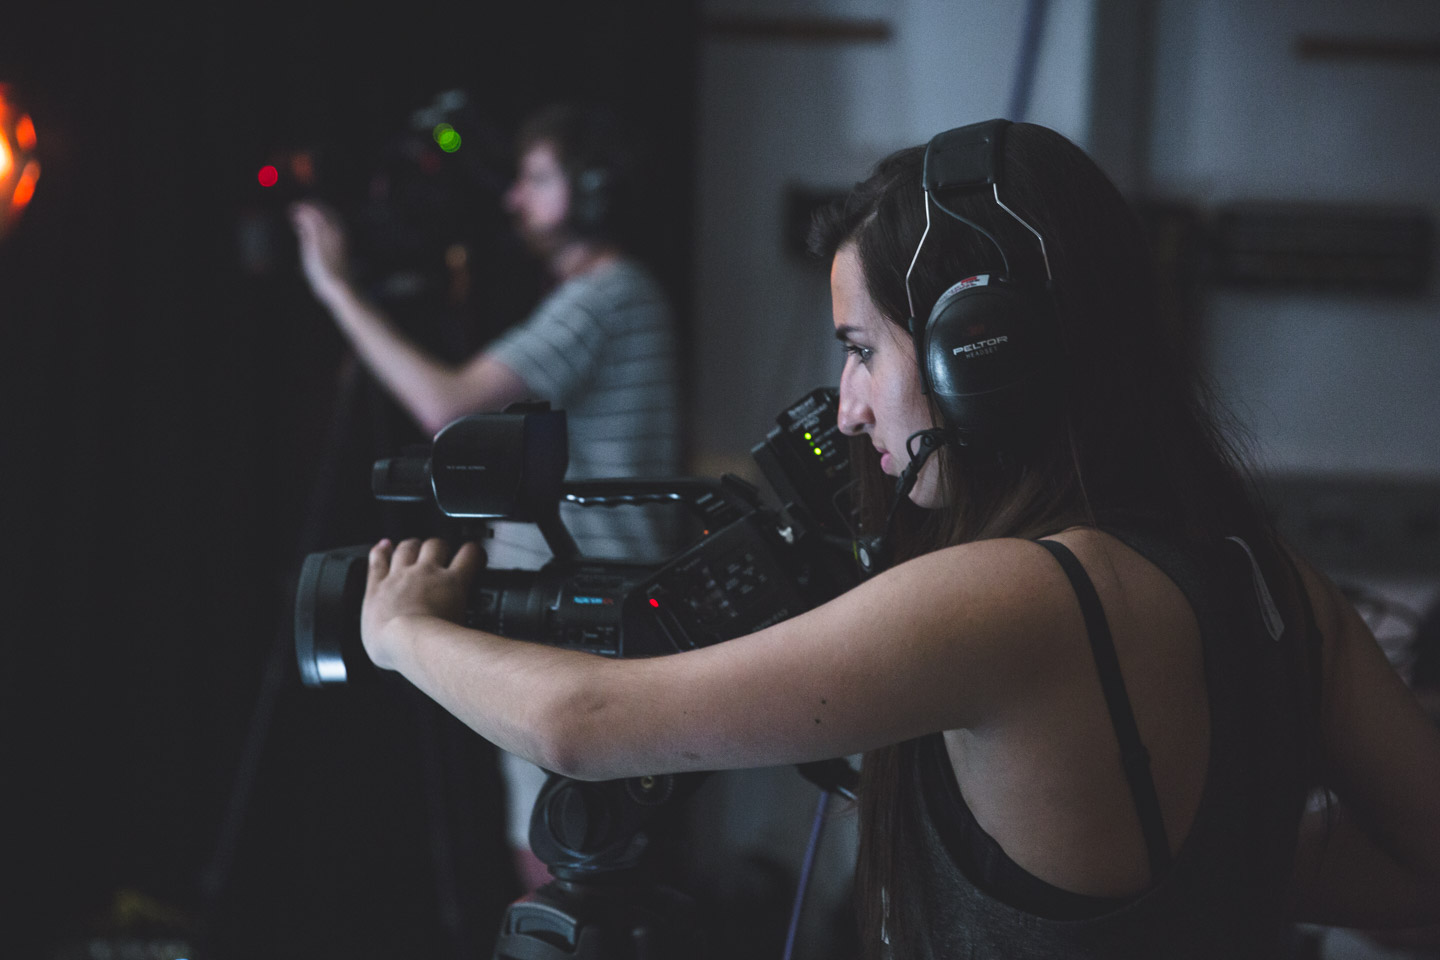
x: 446, y: 136
x: 809, y: 436
x: 818, y: 453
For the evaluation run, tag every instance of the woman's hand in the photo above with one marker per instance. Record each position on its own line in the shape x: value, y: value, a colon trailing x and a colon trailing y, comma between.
x: 408, y: 581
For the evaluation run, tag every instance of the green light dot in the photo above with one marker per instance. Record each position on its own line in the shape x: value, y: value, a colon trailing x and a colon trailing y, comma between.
x: 817, y: 452
x: 450, y: 141
x: 440, y: 131
x: 809, y: 436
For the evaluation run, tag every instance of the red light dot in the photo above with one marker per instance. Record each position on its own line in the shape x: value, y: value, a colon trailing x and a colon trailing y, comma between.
x: 654, y: 603
x: 268, y: 176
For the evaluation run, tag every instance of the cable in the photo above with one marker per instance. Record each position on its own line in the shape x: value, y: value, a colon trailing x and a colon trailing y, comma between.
x: 816, y: 829
x: 1031, y: 32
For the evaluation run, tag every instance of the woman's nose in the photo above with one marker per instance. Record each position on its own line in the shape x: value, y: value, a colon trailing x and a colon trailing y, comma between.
x: 852, y: 413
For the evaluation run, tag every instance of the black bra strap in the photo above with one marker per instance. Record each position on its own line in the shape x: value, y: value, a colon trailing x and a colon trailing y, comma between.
x: 1133, y: 756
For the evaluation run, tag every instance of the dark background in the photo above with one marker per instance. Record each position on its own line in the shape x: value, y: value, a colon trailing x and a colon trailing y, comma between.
x: 181, y: 424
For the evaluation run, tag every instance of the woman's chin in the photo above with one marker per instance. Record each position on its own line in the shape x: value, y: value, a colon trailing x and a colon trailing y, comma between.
x: 927, y: 492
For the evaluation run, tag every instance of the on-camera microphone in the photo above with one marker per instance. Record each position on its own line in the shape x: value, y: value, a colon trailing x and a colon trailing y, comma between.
x: 872, y: 554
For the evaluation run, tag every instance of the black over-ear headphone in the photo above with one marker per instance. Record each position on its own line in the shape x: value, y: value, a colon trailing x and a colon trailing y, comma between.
x: 599, y: 148
x: 988, y: 351
x: 590, y: 200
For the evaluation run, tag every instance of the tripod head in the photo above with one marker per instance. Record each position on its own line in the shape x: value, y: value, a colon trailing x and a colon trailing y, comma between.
x: 601, y: 903
x: 586, y: 831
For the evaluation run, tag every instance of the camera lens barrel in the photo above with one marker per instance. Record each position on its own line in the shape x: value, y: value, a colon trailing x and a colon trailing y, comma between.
x: 327, y: 616
x: 576, y: 605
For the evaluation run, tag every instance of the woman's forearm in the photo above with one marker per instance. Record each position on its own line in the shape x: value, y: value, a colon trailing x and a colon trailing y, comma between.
x: 532, y: 700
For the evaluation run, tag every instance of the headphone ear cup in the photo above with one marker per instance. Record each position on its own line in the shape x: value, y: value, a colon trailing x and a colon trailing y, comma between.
x: 590, y: 200
x: 989, y: 357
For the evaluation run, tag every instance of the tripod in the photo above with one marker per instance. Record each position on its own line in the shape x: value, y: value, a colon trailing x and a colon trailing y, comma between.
x: 601, y: 905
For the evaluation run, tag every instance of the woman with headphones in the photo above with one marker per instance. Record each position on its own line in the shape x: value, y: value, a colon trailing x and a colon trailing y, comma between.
x: 1105, y: 711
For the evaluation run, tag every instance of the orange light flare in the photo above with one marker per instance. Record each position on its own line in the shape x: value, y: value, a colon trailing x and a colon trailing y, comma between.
x: 25, y: 133
x: 302, y: 168
x: 25, y: 187
x: 19, y: 169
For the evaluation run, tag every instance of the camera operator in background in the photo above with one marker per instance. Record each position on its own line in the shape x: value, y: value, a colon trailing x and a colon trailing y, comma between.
x: 600, y: 345
x: 1108, y: 712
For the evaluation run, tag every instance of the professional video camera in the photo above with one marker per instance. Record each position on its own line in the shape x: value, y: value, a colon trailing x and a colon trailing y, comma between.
x: 752, y: 566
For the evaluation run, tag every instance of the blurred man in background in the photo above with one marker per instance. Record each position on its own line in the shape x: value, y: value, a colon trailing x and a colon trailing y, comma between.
x: 600, y: 345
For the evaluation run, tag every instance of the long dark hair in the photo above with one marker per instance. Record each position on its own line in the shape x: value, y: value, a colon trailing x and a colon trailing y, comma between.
x: 1135, y: 433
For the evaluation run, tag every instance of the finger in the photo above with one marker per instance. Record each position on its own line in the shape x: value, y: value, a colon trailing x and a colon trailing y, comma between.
x: 468, y: 560
x: 302, y: 215
x: 435, y: 551
x: 406, y: 552
x: 379, y: 563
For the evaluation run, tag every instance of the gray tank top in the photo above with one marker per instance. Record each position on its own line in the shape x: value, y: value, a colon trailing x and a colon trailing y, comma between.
x: 1223, y: 894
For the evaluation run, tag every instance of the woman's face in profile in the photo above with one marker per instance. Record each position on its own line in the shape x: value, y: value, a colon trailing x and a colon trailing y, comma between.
x: 880, y: 386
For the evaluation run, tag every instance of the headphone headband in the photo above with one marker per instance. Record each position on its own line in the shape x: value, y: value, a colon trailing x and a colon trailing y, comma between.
x: 966, y: 158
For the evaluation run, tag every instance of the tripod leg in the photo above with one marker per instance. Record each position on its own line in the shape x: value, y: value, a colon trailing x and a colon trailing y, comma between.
x: 216, y: 873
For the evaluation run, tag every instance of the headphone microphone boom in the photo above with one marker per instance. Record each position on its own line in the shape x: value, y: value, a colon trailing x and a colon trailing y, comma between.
x: 872, y: 554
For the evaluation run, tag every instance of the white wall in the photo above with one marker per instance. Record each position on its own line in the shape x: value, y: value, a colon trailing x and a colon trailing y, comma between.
x: 1327, y: 383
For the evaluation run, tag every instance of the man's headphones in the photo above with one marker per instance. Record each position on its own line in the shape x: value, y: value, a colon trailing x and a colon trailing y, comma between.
x: 591, y: 200
x: 989, y: 351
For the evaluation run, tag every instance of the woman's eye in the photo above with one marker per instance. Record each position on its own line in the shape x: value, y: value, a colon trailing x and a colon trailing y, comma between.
x: 863, y: 354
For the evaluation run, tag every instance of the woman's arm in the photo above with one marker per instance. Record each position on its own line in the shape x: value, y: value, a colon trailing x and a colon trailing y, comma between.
x: 1379, y: 863
x: 937, y: 643
x: 1345, y: 879
x: 434, y: 393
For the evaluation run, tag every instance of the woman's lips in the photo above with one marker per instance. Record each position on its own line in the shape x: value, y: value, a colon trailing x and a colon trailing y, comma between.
x: 887, y: 463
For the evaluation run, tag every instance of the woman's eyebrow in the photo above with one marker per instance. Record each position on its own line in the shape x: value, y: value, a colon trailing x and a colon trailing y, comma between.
x: 845, y: 333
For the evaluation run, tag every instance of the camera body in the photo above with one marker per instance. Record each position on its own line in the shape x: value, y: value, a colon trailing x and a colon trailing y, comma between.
x: 754, y: 565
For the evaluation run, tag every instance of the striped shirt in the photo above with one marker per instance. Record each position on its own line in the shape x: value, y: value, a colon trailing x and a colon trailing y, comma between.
x: 601, y: 347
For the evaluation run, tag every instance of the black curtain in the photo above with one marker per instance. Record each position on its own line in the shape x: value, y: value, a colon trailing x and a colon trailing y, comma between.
x: 181, y: 423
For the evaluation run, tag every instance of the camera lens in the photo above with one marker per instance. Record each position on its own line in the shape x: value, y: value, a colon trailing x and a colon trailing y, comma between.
x: 327, y: 617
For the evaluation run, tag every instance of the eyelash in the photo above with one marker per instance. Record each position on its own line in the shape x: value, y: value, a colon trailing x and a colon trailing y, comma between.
x: 863, y: 354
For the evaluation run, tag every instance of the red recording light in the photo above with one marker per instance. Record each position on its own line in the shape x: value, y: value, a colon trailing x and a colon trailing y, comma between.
x: 268, y: 176
x: 654, y: 603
